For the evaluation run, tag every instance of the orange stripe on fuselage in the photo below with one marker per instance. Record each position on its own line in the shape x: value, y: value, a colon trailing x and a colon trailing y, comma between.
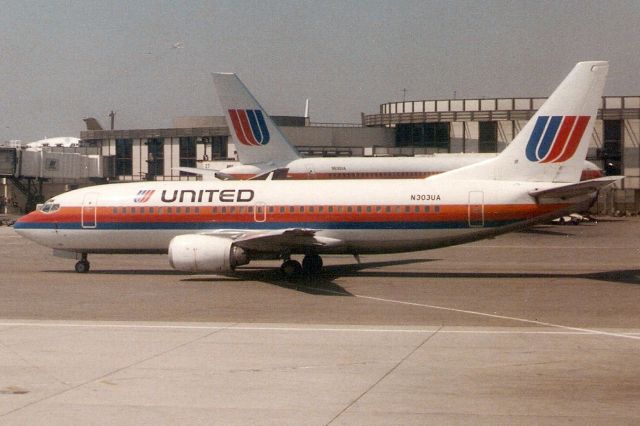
x: 300, y: 214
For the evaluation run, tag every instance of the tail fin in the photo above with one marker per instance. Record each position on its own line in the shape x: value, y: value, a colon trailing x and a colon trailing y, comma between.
x: 553, y: 145
x: 92, y: 124
x: 255, y: 135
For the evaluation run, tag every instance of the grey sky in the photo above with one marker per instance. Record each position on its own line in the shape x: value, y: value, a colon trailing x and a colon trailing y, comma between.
x: 61, y: 61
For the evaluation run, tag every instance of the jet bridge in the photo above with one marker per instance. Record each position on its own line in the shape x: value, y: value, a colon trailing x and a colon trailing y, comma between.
x: 29, y: 168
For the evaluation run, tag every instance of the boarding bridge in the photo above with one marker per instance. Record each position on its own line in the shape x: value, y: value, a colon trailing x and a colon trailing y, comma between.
x: 28, y: 168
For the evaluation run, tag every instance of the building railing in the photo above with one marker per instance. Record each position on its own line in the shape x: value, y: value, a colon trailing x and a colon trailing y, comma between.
x: 496, y: 109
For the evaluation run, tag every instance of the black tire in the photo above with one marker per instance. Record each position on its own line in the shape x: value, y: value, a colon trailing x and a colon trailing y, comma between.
x: 291, y: 269
x: 82, y: 267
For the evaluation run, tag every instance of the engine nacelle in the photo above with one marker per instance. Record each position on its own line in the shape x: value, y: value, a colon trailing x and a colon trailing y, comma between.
x: 204, y: 253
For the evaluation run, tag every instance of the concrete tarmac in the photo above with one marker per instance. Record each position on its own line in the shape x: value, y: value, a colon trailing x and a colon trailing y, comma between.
x: 528, y: 328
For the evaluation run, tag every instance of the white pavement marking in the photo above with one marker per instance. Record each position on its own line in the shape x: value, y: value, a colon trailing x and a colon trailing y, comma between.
x: 568, y: 330
x: 524, y: 320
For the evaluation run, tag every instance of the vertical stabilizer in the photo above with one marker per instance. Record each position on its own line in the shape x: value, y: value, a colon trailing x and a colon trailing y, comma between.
x: 256, y: 137
x: 553, y: 145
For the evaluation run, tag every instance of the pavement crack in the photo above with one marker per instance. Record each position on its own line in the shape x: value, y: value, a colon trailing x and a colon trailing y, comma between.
x: 384, y: 376
x: 117, y: 370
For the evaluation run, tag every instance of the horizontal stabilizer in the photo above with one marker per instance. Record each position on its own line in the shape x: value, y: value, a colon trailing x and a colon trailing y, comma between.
x: 206, y: 173
x: 273, y: 174
x: 575, y: 189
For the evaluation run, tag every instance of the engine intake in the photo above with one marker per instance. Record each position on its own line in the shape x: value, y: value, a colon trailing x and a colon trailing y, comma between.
x: 205, y: 253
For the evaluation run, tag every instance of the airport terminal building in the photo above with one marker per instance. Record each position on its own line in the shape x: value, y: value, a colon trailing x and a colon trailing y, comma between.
x: 400, y: 128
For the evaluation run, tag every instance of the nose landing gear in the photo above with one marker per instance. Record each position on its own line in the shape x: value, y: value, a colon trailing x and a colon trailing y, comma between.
x: 83, y: 265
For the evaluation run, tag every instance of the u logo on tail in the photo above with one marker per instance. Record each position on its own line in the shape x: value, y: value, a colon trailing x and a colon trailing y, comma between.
x: 249, y: 126
x: 556, y: 138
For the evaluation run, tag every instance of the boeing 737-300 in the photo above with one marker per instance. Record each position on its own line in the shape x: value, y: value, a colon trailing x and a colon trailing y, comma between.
x: 216, y: 226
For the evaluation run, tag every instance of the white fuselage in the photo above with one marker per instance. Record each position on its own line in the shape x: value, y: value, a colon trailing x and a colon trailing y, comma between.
x: 348, y: 216
x: 376, y: 167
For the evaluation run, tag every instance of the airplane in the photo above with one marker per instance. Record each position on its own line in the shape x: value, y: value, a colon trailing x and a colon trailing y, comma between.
x: 216, y: 226
x: 64, y: 141
x: 272, y: 150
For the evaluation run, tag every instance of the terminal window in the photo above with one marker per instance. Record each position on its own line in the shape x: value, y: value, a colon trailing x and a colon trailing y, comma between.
x: 187, y: 153
x: 427, y: 135
x: 488, y: 136
x: 612, y: 147
x: 124, y: 151
x: 155, y: 156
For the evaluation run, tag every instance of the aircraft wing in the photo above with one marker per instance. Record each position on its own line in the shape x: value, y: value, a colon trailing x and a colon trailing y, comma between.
x: 575, y: 189
x: 275, y: 240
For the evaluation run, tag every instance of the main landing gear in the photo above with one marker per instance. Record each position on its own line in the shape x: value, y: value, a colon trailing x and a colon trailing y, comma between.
x: 83, y: 264
x: 311, y: 265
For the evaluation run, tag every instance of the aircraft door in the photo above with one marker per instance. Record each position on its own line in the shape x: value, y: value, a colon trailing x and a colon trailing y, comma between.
x: 260, y: 212
x: 476, y: 209
x: 89, y: 211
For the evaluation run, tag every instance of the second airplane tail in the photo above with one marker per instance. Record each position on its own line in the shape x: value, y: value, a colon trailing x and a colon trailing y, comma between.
x: 256, y: 137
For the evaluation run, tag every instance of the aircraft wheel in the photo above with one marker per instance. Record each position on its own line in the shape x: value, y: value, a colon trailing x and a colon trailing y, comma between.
x: 291, y: 269
x: 312, y: 264
x: 82, y: 266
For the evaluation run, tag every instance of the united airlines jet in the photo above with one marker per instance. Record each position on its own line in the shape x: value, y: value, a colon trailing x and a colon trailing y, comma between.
x: 216, y: 226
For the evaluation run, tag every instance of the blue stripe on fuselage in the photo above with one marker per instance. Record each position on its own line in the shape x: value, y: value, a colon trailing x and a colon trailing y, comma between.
x: 203, y: 226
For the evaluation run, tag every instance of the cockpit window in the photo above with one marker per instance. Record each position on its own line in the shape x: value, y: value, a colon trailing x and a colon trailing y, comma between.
x: 50, y: 206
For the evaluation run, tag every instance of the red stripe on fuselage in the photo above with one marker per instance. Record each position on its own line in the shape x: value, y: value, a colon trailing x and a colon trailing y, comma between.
x: 300, y: 214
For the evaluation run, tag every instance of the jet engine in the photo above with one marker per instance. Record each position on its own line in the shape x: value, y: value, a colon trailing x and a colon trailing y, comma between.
x: 204, y: 253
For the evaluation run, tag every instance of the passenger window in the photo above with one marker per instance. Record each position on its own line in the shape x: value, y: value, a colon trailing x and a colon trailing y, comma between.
x: 178, y: 209
x: 123, y: 210
x: 133, y: 209
x: 169, y: 210
x: 115, y: 210
x: 223, y: 209
x: 151, y: 210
